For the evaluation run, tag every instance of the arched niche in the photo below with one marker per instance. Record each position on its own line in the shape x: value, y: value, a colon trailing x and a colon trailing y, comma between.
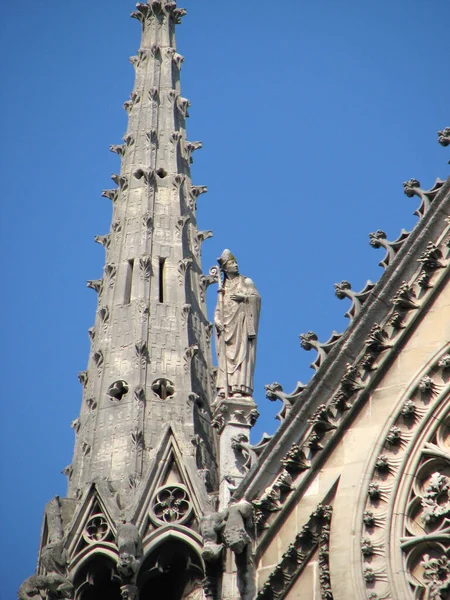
x: 96, y: 579
x: 172, y: 570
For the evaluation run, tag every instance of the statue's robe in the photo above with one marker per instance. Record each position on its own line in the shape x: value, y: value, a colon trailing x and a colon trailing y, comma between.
x: 236, y: 344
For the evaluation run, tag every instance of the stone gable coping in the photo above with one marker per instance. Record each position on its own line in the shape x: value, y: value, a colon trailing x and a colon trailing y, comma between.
x: 389, y: 293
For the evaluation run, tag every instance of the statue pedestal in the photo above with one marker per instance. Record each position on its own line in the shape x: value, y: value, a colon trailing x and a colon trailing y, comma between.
x: 233, y: 417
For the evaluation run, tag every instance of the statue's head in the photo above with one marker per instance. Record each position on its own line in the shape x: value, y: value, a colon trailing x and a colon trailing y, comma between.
x: 228, y: 263
x: 126, y: 559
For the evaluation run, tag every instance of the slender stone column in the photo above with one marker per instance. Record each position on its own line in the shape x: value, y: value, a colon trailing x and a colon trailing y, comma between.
x: 233, y: 418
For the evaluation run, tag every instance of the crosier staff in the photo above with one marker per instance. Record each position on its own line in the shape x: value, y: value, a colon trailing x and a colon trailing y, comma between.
x: 216, y: 273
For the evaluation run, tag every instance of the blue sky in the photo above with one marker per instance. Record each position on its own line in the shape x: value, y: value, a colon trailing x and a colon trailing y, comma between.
x: 312, y: 114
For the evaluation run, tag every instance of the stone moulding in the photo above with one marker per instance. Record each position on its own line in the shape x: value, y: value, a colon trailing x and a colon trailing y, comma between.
x: 393, y: 507
x: 295, y: 426
x: 315, y: 535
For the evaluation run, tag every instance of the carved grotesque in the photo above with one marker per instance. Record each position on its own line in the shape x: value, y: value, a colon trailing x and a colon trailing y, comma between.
x: 45, y: 587
x: 236, y: 319
x: 54, y: 557
x: 210, y: 527
x: 129, y: 544
x: 238, y: 520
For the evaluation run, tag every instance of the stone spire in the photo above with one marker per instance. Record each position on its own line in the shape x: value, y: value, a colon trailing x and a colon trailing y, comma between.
x: 144, y: 468
x: 150, y: 362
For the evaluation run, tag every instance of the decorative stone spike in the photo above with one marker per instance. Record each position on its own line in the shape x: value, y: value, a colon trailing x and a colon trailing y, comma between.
x: 309, y: 340
x: 274, y: 391
x: 378, y: 240
x: 344, y: 290
x: 412, y: 188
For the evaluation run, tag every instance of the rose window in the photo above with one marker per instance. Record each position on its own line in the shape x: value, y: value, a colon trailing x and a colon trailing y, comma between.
x: 97, y: 529
x: 171, y: 504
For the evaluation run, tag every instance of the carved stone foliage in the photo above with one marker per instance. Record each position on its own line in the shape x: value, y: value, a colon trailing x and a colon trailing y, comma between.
x: 274, y: 497
x: 139, y: 59
x: 131, y: 103
x: 96, y: 285
x: 110, y: 274
x: 199, y: 237
x: 444, y: 137
x: 378, y: 240
x: 189, y: 148
x: 195, y: 192
x: 189, y: 354
x: 103, y: 240
x: 410, y: 490
x: 274, y: 391
x: 183, y: 266
x: 315, y: 535
x: 141, y: 351
x: 309, y: 340
x: 412, y: 188
x: 83, y: 378
x: 145, y: 264
x: 344, y: 290
x: 121, y: 181
x: 157, y: 9
x: 205, y: 282
x: 171, y: 504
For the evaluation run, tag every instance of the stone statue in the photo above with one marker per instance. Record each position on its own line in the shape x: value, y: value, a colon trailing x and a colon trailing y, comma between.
x: 54, y: 557
x: 211, y: 525
x: 45, y: 587
x: 129, y: 544
x: 236, y: 322
x: 238, y: 521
